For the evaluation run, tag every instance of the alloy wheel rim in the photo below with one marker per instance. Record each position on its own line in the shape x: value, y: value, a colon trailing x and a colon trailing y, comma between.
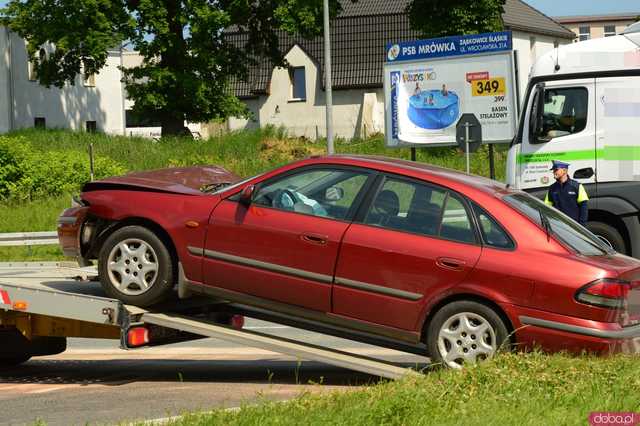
x: 132, y: 266
x: 466, y: 338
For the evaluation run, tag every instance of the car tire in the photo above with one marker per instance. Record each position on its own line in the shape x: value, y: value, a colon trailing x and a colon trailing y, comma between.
x: 135, y: 267
x: 465, y: 332
x: 610, y: 234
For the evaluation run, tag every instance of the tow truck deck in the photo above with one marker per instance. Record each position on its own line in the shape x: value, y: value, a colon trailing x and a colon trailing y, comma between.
x: 42, y: 305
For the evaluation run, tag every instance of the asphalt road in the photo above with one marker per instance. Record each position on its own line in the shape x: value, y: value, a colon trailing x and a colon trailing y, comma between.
x: 95, y: 382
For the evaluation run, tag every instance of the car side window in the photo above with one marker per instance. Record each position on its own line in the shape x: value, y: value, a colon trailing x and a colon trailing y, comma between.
x: 456, y: 224
x: 322, y: 192
x: 407, y: 206
x: 493, y: 234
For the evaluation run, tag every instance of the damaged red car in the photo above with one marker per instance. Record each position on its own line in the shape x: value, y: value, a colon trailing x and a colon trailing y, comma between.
x: 381, y: 250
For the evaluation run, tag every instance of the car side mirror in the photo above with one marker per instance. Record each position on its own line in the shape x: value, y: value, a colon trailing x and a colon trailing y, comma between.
x: 246, y: 196
x: 334, y: 193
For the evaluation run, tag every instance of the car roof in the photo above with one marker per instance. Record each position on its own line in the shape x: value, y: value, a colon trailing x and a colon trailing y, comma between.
x: 417, y: 169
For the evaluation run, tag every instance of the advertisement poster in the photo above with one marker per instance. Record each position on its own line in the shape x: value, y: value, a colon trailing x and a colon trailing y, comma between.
x: 429, y: 84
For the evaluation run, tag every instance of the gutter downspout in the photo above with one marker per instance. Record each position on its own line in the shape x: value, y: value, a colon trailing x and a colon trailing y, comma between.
x: 11, y: 82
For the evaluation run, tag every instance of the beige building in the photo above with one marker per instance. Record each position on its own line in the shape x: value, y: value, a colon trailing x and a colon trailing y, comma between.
x: 295, y: 97
x: 588, y: 27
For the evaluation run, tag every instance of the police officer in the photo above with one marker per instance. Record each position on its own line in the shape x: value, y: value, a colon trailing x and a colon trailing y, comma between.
x: 567, y: 195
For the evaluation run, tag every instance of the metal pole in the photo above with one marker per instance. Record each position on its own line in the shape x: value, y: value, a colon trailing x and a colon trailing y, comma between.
x: 492, y: 166
x: 466, y: 142
x: 327, y: 70
x: 91, y: 161
x: 413, y: 154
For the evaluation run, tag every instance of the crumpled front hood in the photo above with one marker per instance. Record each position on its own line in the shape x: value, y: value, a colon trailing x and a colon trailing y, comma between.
x: 182, y: 180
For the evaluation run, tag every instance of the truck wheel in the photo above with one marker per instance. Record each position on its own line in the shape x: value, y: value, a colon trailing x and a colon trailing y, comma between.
x: 610, y: 234
x: 135, y: 266
x: 465, y: 332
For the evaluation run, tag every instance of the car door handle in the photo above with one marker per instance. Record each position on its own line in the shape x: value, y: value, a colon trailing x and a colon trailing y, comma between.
x: 450, y: 263
x: 583, y: 173
x: 314, y: 238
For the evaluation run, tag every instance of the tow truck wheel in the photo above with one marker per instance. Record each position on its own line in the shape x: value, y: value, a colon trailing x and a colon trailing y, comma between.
x: 13, y: 361
x: 465, y: 332
x: 609, y: 233
x: 135, y: 266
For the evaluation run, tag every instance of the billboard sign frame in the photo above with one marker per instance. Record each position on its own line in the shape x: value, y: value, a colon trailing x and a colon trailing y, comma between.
x: 457, y: 70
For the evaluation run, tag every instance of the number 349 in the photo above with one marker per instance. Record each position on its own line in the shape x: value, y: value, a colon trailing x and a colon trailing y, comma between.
x: 488, y: 87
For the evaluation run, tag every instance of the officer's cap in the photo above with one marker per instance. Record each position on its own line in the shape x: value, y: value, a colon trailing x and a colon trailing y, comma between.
x: 559, y: 165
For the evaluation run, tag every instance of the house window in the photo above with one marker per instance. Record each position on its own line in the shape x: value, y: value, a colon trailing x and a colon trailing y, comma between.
x: 40, y: 123
x: 609, y: 30
x: 298, y: 84
x: 584, y: 32
x: 532, y: 48
x: 90, y: 80
x: 31, y: 65
x: 92, y: 126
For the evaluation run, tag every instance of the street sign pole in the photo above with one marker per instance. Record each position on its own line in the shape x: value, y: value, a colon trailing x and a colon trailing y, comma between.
x: 327, y: 70
x: 468, y: 136
x: 466, y: 142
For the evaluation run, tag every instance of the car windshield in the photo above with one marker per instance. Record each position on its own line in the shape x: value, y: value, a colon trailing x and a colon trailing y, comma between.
x: 572, y: 234
x: 227, y: 187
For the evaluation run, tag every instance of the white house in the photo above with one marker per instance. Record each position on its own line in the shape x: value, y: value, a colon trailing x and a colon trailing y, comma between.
x: 295, y: 97
x: 96, y: 103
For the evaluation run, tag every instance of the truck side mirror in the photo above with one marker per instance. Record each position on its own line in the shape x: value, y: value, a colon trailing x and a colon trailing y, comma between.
x: 536, y: 124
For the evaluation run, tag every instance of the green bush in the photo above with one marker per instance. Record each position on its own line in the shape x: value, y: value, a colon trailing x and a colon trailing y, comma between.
x: 26, y: 173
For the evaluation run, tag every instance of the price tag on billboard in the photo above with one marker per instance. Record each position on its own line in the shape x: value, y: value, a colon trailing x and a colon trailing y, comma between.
x: 488, y: 87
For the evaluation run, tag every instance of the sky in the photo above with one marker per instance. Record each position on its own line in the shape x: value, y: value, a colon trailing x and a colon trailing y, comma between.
x: 585, y: 7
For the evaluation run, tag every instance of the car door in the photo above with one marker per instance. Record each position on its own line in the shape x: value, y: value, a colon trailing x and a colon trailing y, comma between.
x: 415, y: 240
x: 283, y: 246
x: 562, y: 127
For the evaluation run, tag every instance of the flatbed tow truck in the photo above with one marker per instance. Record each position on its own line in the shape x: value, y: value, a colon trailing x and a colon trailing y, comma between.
x: 42, y: 305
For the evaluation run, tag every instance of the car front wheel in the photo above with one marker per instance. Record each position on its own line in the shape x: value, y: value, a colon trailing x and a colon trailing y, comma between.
x: 465, y: 332
x: 135, y: 266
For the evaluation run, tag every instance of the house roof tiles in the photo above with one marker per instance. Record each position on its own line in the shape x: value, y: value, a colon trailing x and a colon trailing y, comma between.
x: 359, y: 36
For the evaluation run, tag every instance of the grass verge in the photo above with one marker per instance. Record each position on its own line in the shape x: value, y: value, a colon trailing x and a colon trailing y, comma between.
x: 513, y: 389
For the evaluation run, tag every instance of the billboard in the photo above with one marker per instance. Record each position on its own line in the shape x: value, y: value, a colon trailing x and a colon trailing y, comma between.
x: 429, y: 84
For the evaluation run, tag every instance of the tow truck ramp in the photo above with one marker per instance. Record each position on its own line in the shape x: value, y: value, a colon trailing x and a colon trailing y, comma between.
x: 46, y: 302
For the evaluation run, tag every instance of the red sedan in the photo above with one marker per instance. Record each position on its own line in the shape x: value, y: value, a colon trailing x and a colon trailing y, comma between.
x: 374, y: 249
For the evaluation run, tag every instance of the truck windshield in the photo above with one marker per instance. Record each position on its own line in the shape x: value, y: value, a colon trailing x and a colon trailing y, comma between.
x: 575, y: 236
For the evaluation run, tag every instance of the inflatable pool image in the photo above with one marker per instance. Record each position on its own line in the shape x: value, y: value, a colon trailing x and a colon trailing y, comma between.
x: 431, y: 109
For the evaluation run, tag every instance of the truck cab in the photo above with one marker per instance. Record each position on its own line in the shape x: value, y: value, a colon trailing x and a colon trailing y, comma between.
x: 582, y: 106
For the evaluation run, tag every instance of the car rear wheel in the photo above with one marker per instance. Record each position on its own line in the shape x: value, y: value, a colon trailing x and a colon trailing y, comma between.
x: 465, y: 332
x: 135, y: 266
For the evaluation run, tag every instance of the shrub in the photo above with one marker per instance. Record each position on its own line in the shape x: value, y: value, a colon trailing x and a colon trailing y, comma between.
x: 26, y: 174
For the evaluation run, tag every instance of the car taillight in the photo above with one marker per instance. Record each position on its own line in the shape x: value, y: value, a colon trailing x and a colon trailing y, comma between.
x: 137, y: 336
x: 237, y: 321
x: 606, y: 293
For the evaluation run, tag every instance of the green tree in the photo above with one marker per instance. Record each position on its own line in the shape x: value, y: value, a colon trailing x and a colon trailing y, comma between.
x: 439, y: 18
x: 188, y: 64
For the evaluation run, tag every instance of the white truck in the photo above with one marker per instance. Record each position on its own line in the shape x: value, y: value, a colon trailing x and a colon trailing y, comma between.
x: 582, y: 106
